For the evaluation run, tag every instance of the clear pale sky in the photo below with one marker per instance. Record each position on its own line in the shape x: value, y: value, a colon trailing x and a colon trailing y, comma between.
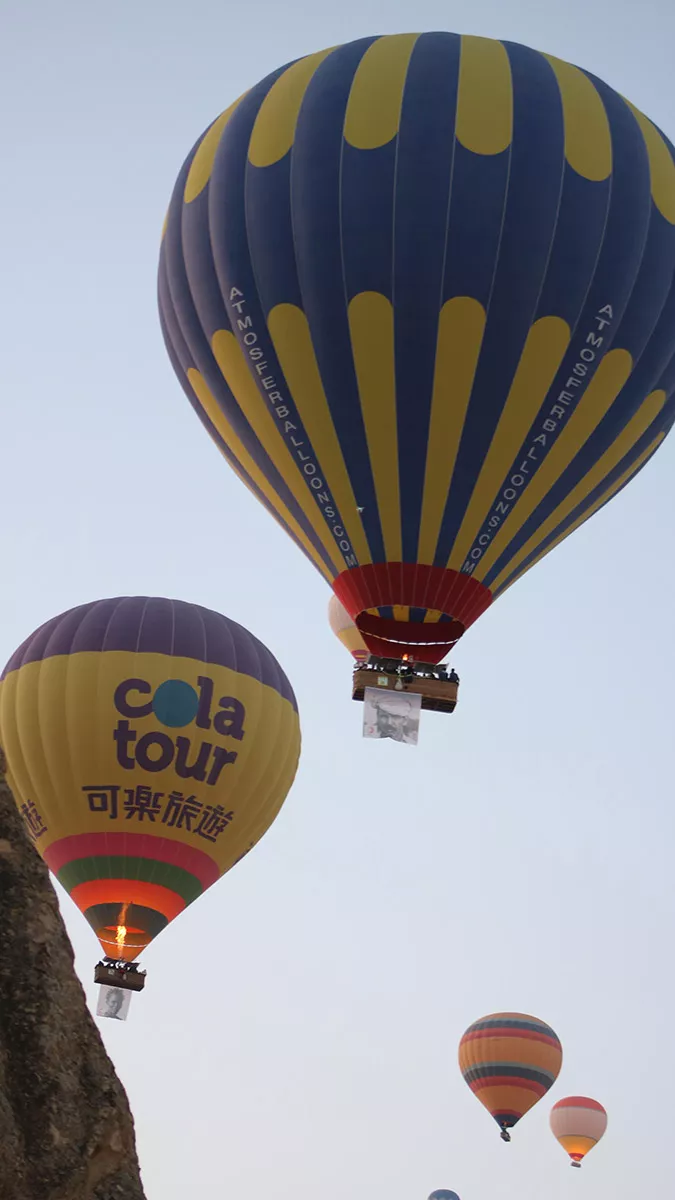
x: 297, y: 1036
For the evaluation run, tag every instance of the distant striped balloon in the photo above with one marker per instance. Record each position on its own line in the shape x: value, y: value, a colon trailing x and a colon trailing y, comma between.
x: 419, y: 289
x: 150, y: 744
x: 509, y: 1060
x: 578, y: 1123
x: 345, y: 630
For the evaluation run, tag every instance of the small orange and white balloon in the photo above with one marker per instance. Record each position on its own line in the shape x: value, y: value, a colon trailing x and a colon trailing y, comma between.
x: 344, y: 628
x: 578, y: 1123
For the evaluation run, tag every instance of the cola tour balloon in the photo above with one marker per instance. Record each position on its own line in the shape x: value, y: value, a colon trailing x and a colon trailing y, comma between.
x: 344, y: 628
x: 419, y: 290
x: 509, y: 1060
x: 578, y: 1123
x: 150, y: 744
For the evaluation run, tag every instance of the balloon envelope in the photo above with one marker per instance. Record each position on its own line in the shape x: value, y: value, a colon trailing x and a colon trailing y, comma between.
x: 442, y: 1194
x: 149, y: 745
x: 419, y: 290
x: 509, y: 1060
x: 344, y: 628
x: 578, y: 1123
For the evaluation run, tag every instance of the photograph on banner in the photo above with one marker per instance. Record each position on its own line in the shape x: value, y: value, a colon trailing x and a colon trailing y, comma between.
x: 394, y: 715
x: 113, y: 1002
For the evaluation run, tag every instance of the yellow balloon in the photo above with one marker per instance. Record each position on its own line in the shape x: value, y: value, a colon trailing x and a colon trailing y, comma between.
x: 150, y: 744
x: 344, y: 628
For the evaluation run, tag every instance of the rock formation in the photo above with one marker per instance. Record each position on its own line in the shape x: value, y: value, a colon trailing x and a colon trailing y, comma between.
x: 66, y: 1132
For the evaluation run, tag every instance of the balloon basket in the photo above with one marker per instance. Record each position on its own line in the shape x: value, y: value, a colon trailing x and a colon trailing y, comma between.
x: 437, y: 689
x: 117, y: 973
x: 575, y: 1164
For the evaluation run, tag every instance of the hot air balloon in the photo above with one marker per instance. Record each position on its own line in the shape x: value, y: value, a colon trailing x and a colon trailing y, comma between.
x: 443, y: 1194
x: 578, y: 1123
x: 419, y: 290
x: 344, y: 628
x: 150, y: 744
x: 509, y: 1060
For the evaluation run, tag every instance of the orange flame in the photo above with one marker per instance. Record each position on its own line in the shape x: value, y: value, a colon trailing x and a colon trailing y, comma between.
x: 121, y: 929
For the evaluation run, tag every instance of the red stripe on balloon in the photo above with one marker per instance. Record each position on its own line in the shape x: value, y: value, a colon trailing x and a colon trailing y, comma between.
x: 579, y: 1102
x: 378, y: 585
x: 132, y: 845
x: 508, y: 1031
x: 504, y: 1081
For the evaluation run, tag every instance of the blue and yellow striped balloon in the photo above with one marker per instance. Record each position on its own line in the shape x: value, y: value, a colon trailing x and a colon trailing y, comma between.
x: 419, y: 289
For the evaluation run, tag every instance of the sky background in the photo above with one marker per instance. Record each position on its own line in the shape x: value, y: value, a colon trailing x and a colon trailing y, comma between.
x: 298, y: 1032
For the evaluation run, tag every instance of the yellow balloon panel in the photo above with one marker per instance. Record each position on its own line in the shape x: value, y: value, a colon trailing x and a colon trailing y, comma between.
x: 93, y: 733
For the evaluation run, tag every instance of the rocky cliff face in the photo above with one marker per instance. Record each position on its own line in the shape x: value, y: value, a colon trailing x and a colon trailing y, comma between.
x: 66, y: 1132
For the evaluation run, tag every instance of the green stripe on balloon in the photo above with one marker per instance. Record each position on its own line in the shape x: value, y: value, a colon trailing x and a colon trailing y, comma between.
x: 85, y: 870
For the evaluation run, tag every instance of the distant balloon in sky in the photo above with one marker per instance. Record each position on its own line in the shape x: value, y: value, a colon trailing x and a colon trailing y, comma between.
x: 150, y: 744
x: 443, y: 1194
x: 509, y: 1060
x: 344, y: 628
x: 419, y: 289
x: 578, y: 1123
